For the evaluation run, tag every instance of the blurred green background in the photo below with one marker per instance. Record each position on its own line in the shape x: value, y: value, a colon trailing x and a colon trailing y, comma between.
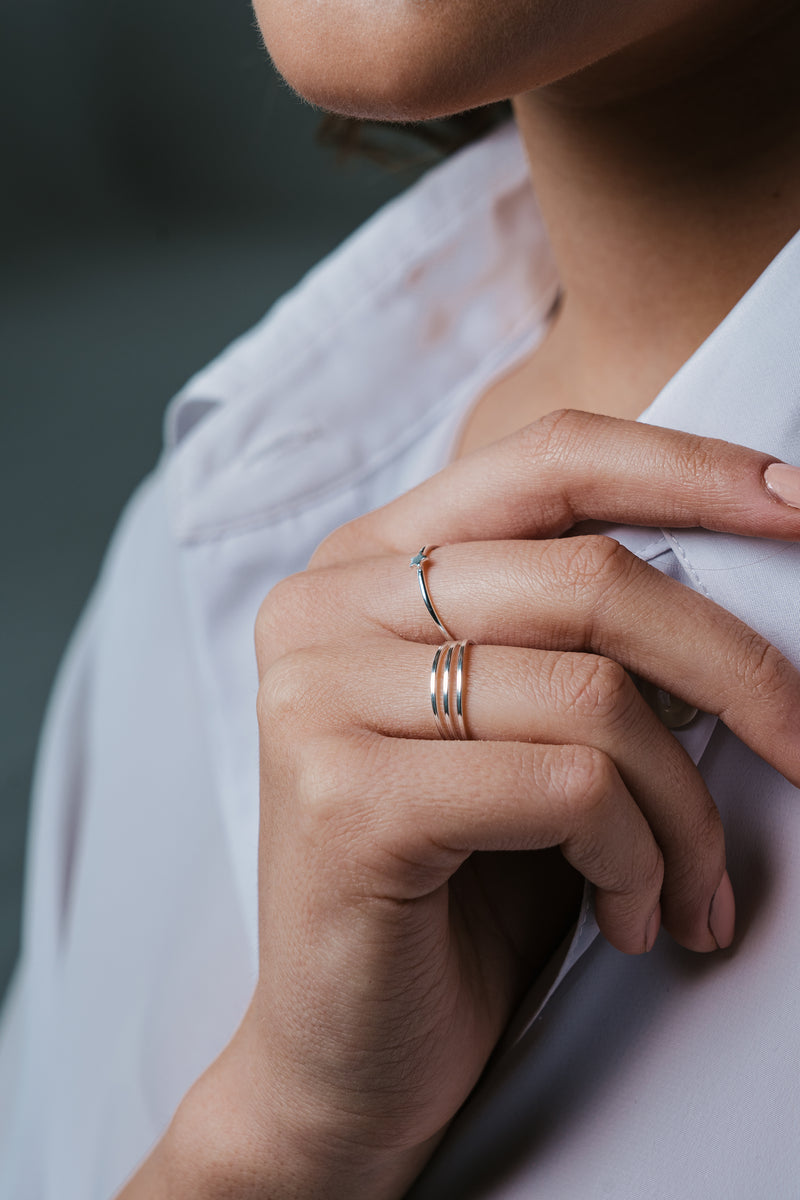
x: 162, y: 187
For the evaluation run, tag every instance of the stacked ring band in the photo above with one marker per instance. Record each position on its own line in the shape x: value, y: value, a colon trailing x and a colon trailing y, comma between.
x: 419, y: 561
x: 447, y: 690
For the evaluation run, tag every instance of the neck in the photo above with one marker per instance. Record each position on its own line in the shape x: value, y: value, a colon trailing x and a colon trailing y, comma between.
x: 665, y: 197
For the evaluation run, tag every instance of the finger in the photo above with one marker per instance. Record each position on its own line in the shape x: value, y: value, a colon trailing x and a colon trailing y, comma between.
x: 591, y: 593
x: 439, y: 802
x: 550, y: 698
x: 573, y: 466
x: 581, y: 593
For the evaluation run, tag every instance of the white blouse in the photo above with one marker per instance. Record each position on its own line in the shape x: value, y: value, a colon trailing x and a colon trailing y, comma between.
x: 671, y: 1075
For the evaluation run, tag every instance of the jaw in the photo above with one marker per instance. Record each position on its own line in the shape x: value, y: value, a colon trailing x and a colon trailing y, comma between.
x: 412, y: 60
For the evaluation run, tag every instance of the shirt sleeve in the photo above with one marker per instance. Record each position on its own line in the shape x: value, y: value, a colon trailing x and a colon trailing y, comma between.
x: 30, y: 1009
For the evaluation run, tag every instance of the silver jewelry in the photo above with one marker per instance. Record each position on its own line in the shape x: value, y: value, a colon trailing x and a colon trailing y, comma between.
x: 419, y: 561
x: 447, y: 691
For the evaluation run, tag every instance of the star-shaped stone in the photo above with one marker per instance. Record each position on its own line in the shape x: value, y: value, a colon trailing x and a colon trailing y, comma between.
x: 420, y: 558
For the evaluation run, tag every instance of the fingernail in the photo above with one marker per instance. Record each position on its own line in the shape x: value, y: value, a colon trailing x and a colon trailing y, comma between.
x: 653, y: 926
x: 784, y: 482
x: 722, y: 914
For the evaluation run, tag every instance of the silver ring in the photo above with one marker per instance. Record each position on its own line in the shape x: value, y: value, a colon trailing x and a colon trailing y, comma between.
x: 447, y: 691
x: 419, y: 561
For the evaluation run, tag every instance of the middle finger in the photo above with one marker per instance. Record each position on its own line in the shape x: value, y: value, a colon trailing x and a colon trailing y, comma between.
x: 584, y: 593
x: 556, y: 698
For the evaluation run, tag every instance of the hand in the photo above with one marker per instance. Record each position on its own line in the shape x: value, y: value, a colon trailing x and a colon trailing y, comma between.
x: 410, y: 889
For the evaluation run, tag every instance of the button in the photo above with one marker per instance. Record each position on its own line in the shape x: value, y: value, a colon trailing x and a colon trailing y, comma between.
x: 670, y: 710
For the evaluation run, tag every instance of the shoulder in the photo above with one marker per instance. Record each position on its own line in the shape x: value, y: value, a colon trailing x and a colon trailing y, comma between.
x: 359, y: 362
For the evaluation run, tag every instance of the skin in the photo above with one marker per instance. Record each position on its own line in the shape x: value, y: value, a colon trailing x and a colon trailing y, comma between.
x: 417, y: 59
x: 401, y: 917
x: 664, y: 147
x: 657, y: 234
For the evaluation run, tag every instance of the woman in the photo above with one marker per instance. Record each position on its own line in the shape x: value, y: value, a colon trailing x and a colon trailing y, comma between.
x: 413, y: 899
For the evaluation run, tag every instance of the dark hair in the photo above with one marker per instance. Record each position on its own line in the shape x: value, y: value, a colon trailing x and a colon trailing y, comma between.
x: 393, y: 145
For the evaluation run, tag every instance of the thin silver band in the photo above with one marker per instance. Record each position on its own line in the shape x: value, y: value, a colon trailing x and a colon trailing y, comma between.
x: 447, y: 680
x: 419, y: 561
x: 435, y: 692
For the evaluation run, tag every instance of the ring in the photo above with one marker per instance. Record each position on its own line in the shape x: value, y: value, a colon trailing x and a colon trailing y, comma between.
x: 419, y: 561
x: 447, y: 691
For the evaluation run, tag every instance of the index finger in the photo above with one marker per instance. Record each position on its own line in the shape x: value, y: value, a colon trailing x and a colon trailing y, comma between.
x: 573, y: 466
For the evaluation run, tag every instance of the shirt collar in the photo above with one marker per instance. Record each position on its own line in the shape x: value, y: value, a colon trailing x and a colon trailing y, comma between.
x: 743, y: 385
x: 373, y: 345
x: 369, y: 350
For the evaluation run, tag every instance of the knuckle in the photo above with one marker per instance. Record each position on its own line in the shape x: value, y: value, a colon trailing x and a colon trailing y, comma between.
x: 298, y: 606
x: 654, y: 868
x: 708, y: 837
x: 594, y: 557
x: 760, y: 666
x: 283, y: 692
x: 709, y: 468
x: 639, y: 873
x: 275, y: 616
x: 651, y: 869
x: 320, y: 793
x: 552, y: 445
x: 592, y: 564
x: 589, y: 778
x: 598, y: 689
x: 553, y: 436
x: 697, y: 461
x: 605, y: 560
x: 333, y: 799
x: 335, y: 546
x: 307, y: 733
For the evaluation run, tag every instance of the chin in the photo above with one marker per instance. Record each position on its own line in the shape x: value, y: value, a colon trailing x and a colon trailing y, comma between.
x: 412, y: 60
x: 401, y: 60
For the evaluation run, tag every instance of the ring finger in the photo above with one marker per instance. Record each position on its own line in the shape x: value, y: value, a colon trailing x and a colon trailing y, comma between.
x: 582, y: 593
x: 558, y: 698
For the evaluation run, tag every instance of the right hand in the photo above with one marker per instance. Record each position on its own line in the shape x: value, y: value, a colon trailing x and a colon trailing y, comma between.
x: 411, y: 889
